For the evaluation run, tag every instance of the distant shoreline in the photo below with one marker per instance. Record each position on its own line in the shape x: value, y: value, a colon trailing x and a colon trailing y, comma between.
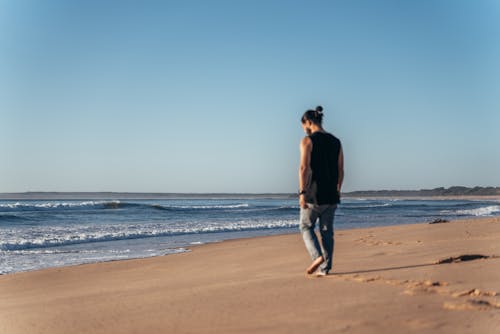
x: 436, y: 194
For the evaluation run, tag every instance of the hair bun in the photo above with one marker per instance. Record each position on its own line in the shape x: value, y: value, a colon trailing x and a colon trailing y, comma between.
x: 319, y: 109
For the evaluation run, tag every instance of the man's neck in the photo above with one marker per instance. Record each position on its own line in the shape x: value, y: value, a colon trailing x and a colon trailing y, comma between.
x: 316, y: 128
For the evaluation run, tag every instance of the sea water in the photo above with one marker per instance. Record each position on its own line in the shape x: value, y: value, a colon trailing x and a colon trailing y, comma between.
x: 37, y: 234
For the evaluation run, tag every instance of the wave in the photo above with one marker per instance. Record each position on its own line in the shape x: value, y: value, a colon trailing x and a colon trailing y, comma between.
x: 365, y: 206
x: 55, y: 239
x: 10, y: 218
x: 410, y: 205
x: 47, y: 251
x: 483, y: 211
x: 190, y: 207
x: 55, y: 205
x: 63, y: 251
x: 294, y: 208
x: 115, y: 204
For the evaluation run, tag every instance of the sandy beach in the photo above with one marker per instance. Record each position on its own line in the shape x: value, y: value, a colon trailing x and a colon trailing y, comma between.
x: 422, y: 278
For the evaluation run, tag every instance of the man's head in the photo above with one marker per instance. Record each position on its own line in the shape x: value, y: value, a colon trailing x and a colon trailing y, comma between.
x: 312, y: 118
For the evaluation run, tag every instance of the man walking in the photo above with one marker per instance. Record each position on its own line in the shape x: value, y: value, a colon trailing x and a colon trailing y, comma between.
x: 320, y: 181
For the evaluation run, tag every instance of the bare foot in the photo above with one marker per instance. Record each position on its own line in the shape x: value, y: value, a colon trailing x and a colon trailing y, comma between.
x: 316, y: 263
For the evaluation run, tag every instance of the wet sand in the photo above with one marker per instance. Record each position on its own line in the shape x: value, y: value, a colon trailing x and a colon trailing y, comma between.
x: 423, y: 278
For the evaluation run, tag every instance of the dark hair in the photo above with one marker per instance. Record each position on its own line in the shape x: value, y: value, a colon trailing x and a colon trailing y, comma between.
x: 315, y: 116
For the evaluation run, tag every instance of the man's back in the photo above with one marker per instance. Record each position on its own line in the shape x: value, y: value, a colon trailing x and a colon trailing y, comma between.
x: 324, y: 166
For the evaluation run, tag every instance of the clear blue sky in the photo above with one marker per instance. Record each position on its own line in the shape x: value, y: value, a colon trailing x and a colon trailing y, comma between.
x: 206, y: 96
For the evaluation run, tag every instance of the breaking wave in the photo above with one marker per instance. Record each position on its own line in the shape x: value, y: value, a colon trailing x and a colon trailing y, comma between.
x: 23, y: 206
x: 483, y: 211
x: 62, y: 237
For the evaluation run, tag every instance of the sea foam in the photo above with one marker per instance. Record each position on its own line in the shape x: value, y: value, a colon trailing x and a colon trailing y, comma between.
x: 44, y: 237
x: 483, y: 211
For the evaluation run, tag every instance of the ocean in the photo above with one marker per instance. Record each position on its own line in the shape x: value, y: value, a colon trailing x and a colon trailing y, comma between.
x: 36, y: 234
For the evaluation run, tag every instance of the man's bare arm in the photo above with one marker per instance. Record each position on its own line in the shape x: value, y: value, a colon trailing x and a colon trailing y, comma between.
x: 341, y: 170
x: 305, y: 167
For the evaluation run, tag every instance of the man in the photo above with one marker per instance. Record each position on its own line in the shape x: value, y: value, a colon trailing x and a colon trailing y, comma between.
x: 320, y: 180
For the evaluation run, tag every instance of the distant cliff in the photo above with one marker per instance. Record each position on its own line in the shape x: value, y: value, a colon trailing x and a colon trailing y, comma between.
x: 451, y: 191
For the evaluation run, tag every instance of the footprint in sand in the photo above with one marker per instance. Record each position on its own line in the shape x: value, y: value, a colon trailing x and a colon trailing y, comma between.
x: 369, y: 240
x: 475, y: 292
x: 415, y: 287
x: 426, y: 287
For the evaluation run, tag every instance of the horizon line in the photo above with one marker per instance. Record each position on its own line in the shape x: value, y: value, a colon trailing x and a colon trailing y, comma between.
x: 234, y: 193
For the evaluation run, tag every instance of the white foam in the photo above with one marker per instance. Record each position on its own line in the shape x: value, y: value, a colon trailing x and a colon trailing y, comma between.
x: 231, y: 206
x: 373, y: 206
x: 50, y: 236
x: 16, y: 261
x: 50, y: 205
x: 484, y: 211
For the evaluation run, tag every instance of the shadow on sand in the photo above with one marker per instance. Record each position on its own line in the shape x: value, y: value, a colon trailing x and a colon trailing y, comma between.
x: 383, y: 269
x: 456, y: 259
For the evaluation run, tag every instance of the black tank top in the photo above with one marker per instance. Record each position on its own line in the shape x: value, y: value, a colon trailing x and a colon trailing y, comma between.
x: 324, y: 165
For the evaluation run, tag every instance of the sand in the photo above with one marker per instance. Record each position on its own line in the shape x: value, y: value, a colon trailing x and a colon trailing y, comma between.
x: 385, y: 280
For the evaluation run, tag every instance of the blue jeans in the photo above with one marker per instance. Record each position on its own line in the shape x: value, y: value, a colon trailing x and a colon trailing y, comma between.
x: 308, y: 218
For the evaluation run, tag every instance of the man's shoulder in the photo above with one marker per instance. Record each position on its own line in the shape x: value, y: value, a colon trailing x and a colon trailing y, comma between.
x: 306, y: 141
x: 332, y: 137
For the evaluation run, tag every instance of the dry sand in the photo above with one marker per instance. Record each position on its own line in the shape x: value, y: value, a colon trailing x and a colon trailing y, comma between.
x: 386, y: 280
